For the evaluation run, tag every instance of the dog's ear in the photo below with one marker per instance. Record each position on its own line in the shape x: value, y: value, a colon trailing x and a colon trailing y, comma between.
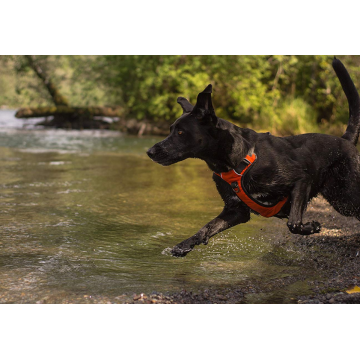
x: 184, y: 103
x: 204, y: 100
x: 203, y: 110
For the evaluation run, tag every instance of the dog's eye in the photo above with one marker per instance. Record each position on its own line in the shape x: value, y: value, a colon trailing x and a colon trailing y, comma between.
x: 180, y: 132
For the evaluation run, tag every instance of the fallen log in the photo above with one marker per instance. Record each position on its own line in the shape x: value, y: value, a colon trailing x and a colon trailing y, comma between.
x: 92, y: 117
x: 27, y: 113
x: 70, y: 117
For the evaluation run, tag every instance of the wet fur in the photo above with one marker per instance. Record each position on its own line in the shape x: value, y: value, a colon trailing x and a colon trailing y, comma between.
x: 299, y: 167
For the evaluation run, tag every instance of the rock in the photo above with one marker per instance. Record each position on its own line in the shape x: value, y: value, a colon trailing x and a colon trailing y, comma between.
x: 139, y: 297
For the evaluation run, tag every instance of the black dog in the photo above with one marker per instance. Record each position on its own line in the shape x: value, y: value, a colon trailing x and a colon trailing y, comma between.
x: 265, y: 174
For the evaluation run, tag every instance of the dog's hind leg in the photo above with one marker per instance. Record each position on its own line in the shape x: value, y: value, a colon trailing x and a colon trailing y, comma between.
x: 227, y: 219
x: 299, y: 199
x: 344, y: 195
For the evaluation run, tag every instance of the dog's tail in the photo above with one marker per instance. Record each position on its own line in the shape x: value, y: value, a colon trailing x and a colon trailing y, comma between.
x: 353, y: 128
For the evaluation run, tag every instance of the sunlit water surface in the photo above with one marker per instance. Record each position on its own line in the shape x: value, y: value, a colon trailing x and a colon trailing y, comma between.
x: 88, y: 213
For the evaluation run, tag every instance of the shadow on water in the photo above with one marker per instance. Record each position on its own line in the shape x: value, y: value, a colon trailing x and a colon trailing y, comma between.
x: 89, y: 213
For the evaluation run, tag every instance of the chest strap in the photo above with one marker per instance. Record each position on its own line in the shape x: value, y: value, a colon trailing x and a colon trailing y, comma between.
x: 235, y: 177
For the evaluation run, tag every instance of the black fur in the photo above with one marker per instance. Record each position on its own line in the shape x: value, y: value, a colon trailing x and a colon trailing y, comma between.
x: 299, y: 167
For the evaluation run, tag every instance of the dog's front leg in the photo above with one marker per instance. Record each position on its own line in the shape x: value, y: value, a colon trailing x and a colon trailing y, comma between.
x: 227, y: 219
x: 299, y: 199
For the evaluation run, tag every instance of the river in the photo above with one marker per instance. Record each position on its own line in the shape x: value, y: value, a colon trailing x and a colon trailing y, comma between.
x: 87, y: 213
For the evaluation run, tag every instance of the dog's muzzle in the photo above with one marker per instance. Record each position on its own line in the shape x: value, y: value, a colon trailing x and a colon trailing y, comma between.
x: 151, y: 153
x: 159, y: 155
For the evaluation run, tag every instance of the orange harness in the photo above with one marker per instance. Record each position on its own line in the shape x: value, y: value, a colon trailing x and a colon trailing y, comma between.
x: 234, y: 178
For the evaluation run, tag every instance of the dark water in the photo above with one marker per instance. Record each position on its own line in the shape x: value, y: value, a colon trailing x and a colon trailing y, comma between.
x: 89, y: 213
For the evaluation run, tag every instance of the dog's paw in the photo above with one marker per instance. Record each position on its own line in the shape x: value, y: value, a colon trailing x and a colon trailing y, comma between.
x: 295, y: 228
x: 309, y: 228
x: 183, y: 248
x: 178, y: 251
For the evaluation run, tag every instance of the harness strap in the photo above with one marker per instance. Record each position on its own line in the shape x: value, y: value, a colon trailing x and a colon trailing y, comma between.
x: 235, y: 177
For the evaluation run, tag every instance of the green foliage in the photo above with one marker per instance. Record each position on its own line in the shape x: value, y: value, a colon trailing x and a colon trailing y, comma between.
x: 148, y: 85
x: 278, y: 93
x: 297, y: 117
x: 258, y: 91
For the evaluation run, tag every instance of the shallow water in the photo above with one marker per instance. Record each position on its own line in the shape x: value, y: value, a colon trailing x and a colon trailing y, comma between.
x: 87, y: 212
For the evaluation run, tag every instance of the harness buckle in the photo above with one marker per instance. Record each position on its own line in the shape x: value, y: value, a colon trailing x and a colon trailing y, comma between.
x: 235, y: 186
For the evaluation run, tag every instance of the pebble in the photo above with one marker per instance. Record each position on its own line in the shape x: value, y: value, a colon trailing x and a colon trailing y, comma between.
x: 139, y: 297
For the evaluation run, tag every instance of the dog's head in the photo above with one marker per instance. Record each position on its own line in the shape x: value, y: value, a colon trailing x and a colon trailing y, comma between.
x: 191, y: 135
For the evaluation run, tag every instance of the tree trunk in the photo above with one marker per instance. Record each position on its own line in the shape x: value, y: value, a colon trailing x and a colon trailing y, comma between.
x: 57, y: 98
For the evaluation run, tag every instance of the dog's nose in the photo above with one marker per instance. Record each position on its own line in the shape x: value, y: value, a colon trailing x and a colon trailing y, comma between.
x: 151, y: 152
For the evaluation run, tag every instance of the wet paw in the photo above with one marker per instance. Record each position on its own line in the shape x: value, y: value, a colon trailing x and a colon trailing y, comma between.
x: 309, y: 228
x: 178, y: 251
x: 183, y: 248
x: 295, y: 228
